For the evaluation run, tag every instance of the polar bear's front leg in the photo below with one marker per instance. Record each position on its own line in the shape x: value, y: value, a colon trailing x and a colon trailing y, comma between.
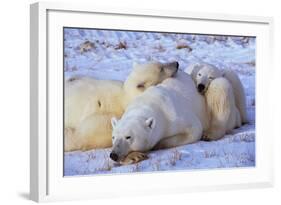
x: 221, y: 104
x: 173, y: 141
x: 190, y: 135
x: 69, y: 139
x: 134, y: 157
x: 214, y: 133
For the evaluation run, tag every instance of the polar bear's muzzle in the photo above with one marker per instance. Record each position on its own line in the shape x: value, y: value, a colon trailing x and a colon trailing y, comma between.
x: 201, y: 88
x: 117, y: 157
x: 120, y: 150
x: 114, y: 156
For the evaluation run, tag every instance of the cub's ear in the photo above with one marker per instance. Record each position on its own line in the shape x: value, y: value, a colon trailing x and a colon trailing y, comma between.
x: 114, y: 122
x: 150, y: 122
x: 193, y: 70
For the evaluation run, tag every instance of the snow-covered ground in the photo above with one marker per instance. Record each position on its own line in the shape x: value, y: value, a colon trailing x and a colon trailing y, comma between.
x: 109, y: 55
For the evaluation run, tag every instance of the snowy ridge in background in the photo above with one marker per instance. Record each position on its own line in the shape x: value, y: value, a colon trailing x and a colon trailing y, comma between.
x: 107, y: 54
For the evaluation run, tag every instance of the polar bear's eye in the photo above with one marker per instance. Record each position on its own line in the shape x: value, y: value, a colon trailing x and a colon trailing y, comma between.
x: 211, y: 78
x: 140, y: 86
x: 113, y: 137
x: 199, y: 74
x: 128, y: 137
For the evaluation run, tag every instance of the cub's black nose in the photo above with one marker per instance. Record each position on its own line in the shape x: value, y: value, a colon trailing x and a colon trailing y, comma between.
x: 177, y: 64
x: 113, y: 156
x: 200, y: 88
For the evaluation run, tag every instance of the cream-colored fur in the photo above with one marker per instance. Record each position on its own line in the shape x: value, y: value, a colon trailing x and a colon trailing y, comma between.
x: 91, y: 103
x: 220, y: 99
x: 231, y: 76
x: 224, y: 115
x: 239, y: 93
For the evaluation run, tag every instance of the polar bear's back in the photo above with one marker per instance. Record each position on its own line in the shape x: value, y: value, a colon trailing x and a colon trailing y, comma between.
x: 176, y: 97
x: 221, y: 102
x: 239, y: 93
x: 185, y: 86
x: 84, y: 96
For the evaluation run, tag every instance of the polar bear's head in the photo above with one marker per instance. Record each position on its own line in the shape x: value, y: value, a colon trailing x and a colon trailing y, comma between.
x: 204, y: 77
x: 145, y: 75
x: 131, y: 135
x: 193, y: 69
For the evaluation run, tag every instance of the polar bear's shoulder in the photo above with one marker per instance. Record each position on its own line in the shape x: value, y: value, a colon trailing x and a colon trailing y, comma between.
x: 181, y: 80
x: 220, y: 83
x: 220, y: 90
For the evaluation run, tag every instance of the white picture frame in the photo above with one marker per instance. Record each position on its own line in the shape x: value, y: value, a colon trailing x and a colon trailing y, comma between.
x: 46, y: 179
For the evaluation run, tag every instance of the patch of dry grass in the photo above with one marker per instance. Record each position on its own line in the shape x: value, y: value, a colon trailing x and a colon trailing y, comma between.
x: 251, y: 63
x: 183, y: 46
x: 91, y: 156
x: 159, y: 48
x: 136, y: 167
x: 209, y: 154
x: 156, y: 164
x: 86, y: 46
x: 176, y: 156
x: 121, y: 45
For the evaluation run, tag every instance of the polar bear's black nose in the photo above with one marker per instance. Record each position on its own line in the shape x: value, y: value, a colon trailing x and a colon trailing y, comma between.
x: 113, y: 156
x: 200, y: 87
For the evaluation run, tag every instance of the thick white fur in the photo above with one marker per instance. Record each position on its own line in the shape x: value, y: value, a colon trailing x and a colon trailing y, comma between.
x: 91, y: 103
x: 170, y: 114
x: 224, y: 115
x: 232, y: 77
x: 239, y: 93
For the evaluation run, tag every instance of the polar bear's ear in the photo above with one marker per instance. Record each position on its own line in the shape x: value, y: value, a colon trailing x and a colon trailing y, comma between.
x: 150, y: 122
x: 193, y: 69
x: 114, y: 122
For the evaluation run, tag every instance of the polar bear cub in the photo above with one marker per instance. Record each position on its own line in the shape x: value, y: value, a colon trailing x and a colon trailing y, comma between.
x: 167, y: 115
x: 231, y: 76
x: 224, y: 115
x: 90, y: 103
x: 220, y: 99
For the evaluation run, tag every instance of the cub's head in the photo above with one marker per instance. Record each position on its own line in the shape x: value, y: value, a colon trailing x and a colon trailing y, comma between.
x: 145, y: 75
x: 204, y: 77
x: 131, y: 135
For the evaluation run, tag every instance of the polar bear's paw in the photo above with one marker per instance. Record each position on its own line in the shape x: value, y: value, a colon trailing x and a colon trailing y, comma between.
x: 209, y: 135
x: 134, y: 157
x: 212, y: 135
x: 206, y: 138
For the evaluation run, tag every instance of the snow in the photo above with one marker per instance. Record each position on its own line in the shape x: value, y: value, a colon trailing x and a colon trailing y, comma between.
x: 105, y: 54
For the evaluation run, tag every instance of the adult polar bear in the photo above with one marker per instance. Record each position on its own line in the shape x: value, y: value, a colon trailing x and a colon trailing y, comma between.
x: 91, y: 103
x: 167, y: 115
